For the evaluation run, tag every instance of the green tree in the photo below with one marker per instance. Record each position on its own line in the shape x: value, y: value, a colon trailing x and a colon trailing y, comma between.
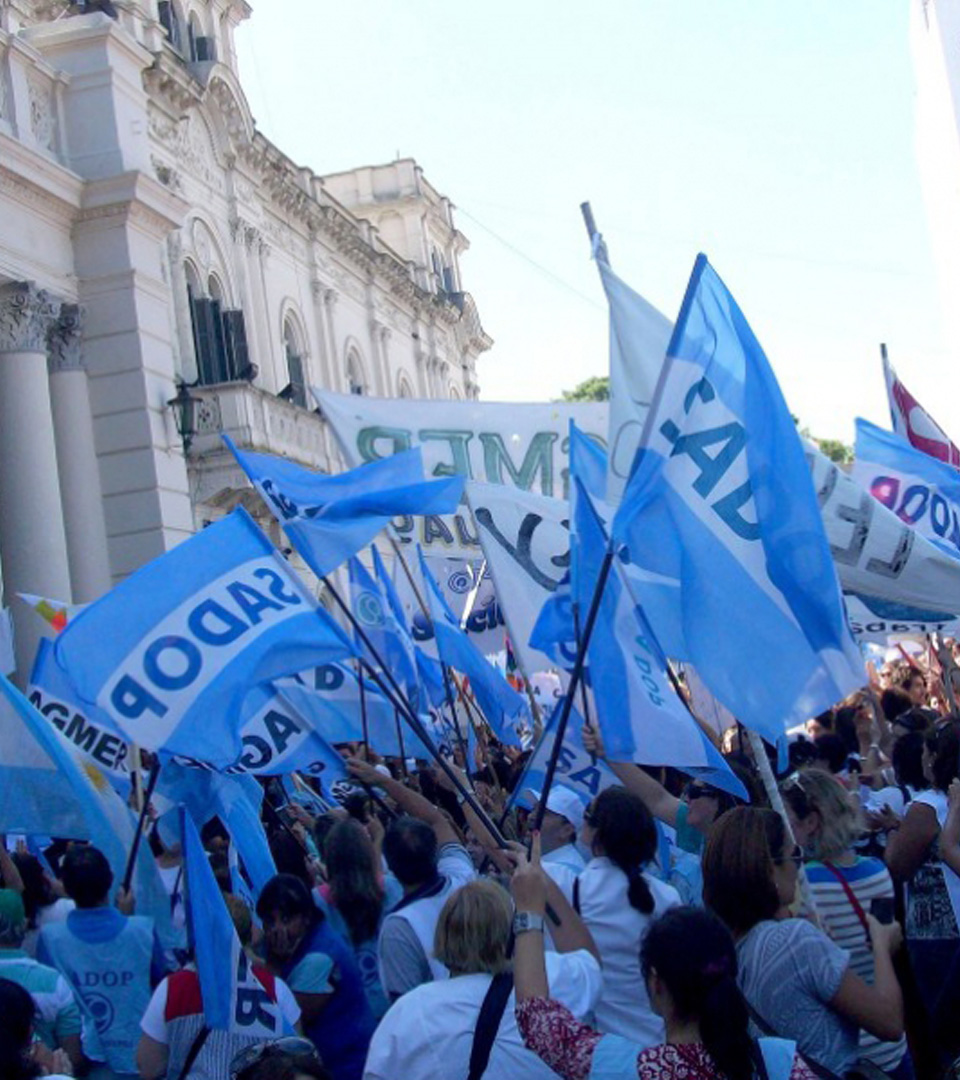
x: 836, y: 450
x: 596, y: 388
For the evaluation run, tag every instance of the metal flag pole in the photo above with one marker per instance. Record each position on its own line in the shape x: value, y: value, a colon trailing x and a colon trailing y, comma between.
x: 398, y: 699
x: 363, y: 713
x: 141, y: 823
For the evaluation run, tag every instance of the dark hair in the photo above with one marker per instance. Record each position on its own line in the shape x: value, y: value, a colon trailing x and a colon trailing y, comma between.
x: 87, y: 876
x: 349, y: 857
x: 288, y: 895
x: 845, y: 725
x: 322, y: 826
x: 289, y: 855
x: 832, y: 750
x: 912, y: 674
x: 692, y: 952
x: 907, y: 759
x: 825, y: 719
x: 894, y: 702
x: 738, y: 864
x: 944, y: 744
x: 410, y: 848
x: 285, y: 1067
x: 18, y: 1010
x: 625, y: 833
x: 800, y: 752
x: 37, y: 890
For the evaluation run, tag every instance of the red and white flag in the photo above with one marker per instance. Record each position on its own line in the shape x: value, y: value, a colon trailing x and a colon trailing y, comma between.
x: 912, y: 422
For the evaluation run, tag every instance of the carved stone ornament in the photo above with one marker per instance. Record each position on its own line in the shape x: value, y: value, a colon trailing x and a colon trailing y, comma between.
x: 26, y: 314
x: 63, y: 340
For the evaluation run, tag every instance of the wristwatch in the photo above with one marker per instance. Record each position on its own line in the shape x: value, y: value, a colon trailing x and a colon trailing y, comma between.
x: 527, y: 920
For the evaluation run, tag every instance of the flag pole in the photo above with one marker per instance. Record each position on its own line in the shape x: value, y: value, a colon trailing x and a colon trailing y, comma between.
x: 575, y: 677
x: 403, y: 749
x: 457, y: 734
x: 363, y: 713
x: 141, y: 822
x: 398, y: 699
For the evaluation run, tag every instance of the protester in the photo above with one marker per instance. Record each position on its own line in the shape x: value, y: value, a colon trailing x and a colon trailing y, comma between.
x: 43, y: 898
x: 321, y: 970
x: 689, y: 965
x: 20, y: 1057
x: 798, y: 983
x: 283, y: 1059
x: 433, y: 1030
x: 425, y: 854
x: 618, y: 901
x: 562, y: 821
x: 111, y: 960
x: 57, y: 1021
x: 691, y: 815
x: 825, y: 822
x: 176, y: 1041
x: 932, y: 926
x: 355, y: 898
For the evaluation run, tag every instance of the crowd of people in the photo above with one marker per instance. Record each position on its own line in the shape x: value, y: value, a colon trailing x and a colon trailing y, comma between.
x: 666, y: 930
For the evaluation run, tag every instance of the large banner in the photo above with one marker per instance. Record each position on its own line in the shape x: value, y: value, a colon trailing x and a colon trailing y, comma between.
x: 522, y: 446
x: 873, y: 620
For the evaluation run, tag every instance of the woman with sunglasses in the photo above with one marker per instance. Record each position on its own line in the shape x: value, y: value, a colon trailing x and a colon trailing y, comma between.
x: 798, y: 983
x: 692, y: 815
x: 618, y: 901
x: 826, y: 823
x: 290, y: 1058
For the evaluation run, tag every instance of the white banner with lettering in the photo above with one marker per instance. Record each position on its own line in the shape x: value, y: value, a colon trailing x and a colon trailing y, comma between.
x: 518, y: 445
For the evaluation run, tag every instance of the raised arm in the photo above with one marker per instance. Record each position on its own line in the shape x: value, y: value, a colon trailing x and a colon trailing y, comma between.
x: 410, y: 802
x: 658, y: 800
x: 949, y: 845
x: 877, y: 1008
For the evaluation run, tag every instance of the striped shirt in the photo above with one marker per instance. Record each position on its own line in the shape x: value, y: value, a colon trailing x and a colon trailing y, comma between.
x: 868, y: 880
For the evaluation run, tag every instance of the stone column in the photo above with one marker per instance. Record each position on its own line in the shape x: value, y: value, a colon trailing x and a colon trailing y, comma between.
x: 80, y: 492
x: 33, y: 547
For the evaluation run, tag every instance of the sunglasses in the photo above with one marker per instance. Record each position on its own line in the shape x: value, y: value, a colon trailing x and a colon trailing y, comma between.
x: 698, y: 791
x: 253, y: 1055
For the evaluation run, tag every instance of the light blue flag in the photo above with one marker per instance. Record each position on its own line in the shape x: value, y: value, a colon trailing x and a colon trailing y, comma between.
x: 921, y: 491
x: 330, y: 518
x: 500, y: 704
x: 406, y: 657
x: 235, y: 800
x: 234, y: 999
x: 638, y: 712
x: 576, y: 769
x: 47, y: 790
x: 329, y: 698
x: 588, y: 462
x: 172, y: 652
x: 92, y: 735
x: 721, y: 517
x: 376, y: 615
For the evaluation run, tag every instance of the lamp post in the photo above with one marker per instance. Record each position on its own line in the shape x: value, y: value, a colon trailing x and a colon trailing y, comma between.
x: 184, y: 407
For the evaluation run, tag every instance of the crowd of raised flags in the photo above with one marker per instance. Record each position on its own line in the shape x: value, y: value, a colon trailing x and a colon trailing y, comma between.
x: 701, y: 539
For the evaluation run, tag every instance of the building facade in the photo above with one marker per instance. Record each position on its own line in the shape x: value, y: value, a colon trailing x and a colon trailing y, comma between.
x: 153, y: 236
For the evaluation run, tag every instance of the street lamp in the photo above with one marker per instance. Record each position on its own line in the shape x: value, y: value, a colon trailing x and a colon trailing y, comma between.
x: 184, y: 407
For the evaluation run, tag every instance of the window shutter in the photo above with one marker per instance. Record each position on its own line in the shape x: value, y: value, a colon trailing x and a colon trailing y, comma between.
x: 204, y: 340
x: 235, y: 335
x: 297, y: 381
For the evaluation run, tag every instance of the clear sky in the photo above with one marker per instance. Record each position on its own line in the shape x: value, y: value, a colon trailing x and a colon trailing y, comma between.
x: 774, y: 135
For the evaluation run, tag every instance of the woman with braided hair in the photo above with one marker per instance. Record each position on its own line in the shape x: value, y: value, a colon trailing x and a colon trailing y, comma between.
x: 618, y: 900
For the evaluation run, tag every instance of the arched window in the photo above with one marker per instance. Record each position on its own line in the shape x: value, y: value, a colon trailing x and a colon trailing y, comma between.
x: 355, y: 378
x: 219, y: 333
x: 215, y: 289
x: 455, y: 392
x: 404, y: 389
x: 296, y: 390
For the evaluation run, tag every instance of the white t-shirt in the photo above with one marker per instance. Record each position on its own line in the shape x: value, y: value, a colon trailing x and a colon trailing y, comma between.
x: 428, y: 1032
x: 618, y: 930
x: 563, y: 865
x: 154, y: 1020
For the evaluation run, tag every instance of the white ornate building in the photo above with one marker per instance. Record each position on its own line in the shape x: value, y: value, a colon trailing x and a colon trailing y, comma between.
x: 151, y: 235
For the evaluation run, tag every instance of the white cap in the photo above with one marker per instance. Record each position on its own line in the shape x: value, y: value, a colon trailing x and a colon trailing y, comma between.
x: 564, y: 802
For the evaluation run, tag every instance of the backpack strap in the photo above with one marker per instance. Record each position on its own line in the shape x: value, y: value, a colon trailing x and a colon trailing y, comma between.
x: 488, y: 1023
x: 576, y: 895
x: 195, y: 1047
x: 820, y: 1071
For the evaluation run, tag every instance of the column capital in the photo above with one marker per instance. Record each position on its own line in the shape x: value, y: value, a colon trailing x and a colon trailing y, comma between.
x: 26, y: 314
x: 63, y: 339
